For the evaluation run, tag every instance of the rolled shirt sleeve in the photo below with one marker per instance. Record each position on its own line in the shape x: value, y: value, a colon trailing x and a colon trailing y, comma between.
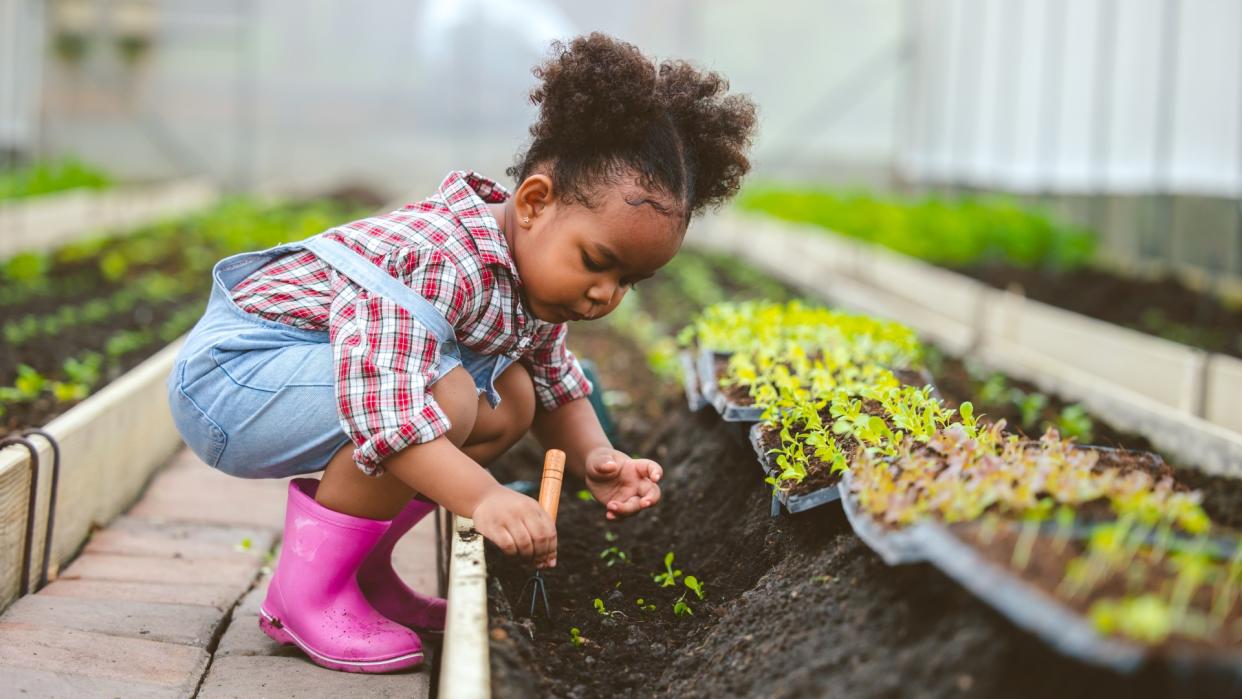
x: 387, y: 359
x: 554, y: 370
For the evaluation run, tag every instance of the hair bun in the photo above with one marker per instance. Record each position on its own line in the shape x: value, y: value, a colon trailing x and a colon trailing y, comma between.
x: 596, y: 92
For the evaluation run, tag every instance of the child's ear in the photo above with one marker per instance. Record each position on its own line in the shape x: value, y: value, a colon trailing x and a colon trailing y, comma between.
x: 532, y: 198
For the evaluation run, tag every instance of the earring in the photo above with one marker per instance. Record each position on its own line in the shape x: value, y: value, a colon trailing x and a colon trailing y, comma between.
x: 526, y: 220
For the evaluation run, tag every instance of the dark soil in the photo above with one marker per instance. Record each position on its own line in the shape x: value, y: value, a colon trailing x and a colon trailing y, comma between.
x: 1163, y: 307
x: 796, y: 606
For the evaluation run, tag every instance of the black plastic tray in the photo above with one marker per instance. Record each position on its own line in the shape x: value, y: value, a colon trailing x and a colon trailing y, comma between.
x: 1025, y: 605
x: 894, y: 546
x: 690, y: 381
x: 780, y: 498
x: 709, y: 387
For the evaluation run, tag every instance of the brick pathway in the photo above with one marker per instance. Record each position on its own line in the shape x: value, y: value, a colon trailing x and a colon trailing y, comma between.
x: 163, y: 602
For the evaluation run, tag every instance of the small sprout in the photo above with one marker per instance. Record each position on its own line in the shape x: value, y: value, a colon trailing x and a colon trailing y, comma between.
x: 680, y: 608
x: 575, y: 636
x: 1076, y: 423
x: 693, y: 583
x: 585, y: 495
x: 669, y: 577
x: 610, y: 537
x: 599, y: 607
x: 613, y: 555
x: 645, y: 605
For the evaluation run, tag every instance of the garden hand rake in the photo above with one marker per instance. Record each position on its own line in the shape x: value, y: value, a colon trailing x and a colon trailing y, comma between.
x: 550, y: 499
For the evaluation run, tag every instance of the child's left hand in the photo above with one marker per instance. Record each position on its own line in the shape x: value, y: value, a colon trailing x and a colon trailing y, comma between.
x: 622, y: 484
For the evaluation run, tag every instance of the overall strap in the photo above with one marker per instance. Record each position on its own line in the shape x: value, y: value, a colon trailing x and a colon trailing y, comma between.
x: 366, y: 274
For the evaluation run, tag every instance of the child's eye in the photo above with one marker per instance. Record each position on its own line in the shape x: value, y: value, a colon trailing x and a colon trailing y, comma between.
x: 591, y: 264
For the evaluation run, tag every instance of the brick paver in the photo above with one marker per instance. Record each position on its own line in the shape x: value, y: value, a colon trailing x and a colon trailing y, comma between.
x: 257, y: 677
x: 163, y: 603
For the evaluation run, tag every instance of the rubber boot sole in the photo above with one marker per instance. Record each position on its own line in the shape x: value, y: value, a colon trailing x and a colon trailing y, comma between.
x: 278, y: 632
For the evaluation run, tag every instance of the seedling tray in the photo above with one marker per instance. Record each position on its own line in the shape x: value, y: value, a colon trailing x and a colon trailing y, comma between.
x: 1024, y: 605
x: 893, y: 546
x: 780, y: 498
x: 710, y: 387
x: 690, y: 381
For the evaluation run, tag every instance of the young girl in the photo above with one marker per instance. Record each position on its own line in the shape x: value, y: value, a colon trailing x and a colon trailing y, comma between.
x: 402, y: 353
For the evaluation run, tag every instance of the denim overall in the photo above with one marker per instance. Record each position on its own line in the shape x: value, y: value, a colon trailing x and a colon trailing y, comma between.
x: 257, y: 399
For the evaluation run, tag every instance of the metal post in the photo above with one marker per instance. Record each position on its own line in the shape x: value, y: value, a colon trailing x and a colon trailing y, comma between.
x: 1054, y: 23
x: 247, y: 95
x: 1163, y: 218
x: 905, y: 98
x: 960, y: 146
x: 952, y: 40
x: 1102, y: 113
x: 1006, y: 133
x: 1235, y: 262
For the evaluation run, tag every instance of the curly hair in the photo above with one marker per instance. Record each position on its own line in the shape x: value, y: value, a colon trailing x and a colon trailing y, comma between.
x: 608, y: 113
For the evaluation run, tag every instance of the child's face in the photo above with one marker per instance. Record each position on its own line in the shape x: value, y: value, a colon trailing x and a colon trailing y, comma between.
x: 576, y: 263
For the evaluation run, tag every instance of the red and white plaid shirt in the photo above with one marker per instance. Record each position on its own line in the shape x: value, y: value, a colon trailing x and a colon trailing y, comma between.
x: 449, y: 249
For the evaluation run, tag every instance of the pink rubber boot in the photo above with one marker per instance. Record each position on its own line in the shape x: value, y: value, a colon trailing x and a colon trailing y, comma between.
x: 314, y: 601
x: 384, y: 588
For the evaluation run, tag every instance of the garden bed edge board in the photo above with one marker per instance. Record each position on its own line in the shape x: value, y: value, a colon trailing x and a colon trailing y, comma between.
x: 1174, y: 374
x: 110, y: 445
x: 39, y: 224
x: 465, y: 665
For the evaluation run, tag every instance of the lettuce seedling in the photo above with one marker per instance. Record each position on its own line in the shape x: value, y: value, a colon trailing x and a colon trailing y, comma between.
x: 645, y: 605
x: 669, y: 577
x: 680, y: 608
x: 1031, y: 406
x: 575, y: 636
x: 693, y: 583
x: 599, y: 607
x: 1076, y: 423
x: 613, y: 555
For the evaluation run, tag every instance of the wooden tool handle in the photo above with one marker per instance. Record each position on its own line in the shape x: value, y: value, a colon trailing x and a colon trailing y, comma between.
x: 550, y: 484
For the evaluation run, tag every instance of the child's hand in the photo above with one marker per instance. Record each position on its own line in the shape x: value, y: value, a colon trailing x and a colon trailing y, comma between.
x: 518, y: 525
x: 622, y: 484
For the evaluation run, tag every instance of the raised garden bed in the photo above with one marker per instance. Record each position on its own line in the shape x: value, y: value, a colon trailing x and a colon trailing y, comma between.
x: 829, y: 616
x: 79, y: 317
x: 1162, y: 307
x: 91, y: 334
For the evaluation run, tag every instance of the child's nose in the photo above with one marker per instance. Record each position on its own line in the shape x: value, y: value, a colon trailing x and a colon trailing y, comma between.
x: 601, y: 293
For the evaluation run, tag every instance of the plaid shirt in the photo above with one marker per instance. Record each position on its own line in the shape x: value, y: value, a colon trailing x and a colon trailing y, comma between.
x: 449, y: 249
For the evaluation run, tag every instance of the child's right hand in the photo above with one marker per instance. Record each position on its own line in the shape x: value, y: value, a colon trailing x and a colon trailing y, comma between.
x: 518, y: 525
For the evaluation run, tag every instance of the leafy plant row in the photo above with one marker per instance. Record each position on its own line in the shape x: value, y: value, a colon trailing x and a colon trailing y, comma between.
x: 106, y: 278
x: 1134, y: 552
x: 946, y: 232
x: 54, y: 176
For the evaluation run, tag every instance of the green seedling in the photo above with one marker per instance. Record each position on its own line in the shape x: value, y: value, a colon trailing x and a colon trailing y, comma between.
x: 1030, y: 406
x: 610, y: 536
x: 693, y: 583
x: 669, y: 577
x: 1076, y: 423
x: 613, y: 555
x: 1145, y: 618
x: 28, y: 386
x: 645, y: 605
x: 68, y: 391
x: 599, y: 607
x: 680, y: 608
x: 585, y: 495
x: 575, y: 637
